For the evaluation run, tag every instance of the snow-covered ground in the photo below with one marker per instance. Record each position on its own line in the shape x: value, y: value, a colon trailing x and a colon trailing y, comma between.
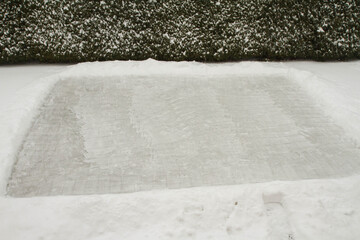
x: 303, y: 209
x: 15, y: 77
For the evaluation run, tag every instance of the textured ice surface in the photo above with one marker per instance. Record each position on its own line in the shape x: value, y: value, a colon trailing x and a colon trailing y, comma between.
x: 131, y: 134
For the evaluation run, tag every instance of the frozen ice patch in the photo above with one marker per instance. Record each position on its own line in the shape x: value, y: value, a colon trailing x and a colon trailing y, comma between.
x: 127, y: 134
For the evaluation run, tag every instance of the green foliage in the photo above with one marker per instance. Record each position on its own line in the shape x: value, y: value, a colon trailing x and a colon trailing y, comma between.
x: 203, y: 30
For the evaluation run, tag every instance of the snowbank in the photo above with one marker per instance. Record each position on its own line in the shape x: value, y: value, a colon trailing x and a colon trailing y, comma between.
x: 336, y: 86
x: 313, y: 209
x: 22, y: 90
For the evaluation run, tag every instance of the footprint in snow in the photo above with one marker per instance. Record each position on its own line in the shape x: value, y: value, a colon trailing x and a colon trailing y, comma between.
x: 279, y: 227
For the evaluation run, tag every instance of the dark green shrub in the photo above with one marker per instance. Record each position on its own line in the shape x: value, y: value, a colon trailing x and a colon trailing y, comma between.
x: 203, y: 30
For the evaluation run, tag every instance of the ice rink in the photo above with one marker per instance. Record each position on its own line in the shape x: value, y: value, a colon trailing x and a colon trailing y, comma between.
x: 121, y: 134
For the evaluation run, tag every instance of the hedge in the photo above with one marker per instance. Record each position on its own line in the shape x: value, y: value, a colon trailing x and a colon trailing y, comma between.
x: 202, y: 30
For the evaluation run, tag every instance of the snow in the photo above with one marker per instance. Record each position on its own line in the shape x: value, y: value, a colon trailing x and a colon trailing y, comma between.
x: 312, y: 209
x: 21, y: 93
x: 337, y: 87
x: 16, y: 77
x: 303, y: 209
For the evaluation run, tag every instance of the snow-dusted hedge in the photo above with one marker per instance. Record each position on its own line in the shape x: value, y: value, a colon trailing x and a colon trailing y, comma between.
x: 204, y: 30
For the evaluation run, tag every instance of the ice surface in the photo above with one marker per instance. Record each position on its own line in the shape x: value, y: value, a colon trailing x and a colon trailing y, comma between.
x: 112, y: 135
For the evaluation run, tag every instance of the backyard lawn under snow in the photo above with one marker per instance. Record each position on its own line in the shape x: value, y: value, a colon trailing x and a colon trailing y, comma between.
x: 165, y: 150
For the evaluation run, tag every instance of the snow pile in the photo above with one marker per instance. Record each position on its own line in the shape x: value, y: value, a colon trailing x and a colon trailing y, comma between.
x: 344, y: 109
x: 336, y: 86
x: 312, y: 209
